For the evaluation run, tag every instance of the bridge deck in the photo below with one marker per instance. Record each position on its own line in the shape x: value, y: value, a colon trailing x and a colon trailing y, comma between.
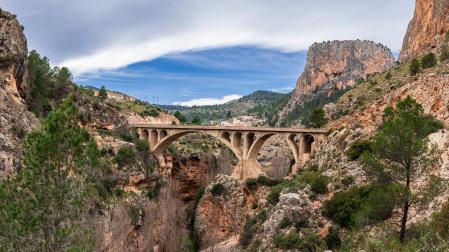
x: 231, y: 128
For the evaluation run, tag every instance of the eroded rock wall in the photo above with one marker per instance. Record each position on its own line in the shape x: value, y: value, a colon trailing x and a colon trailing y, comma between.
x: 15, y: 119
x: 336, y: 65
x: 427, y: 30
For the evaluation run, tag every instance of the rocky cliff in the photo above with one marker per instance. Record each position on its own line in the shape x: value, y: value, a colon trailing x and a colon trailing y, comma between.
x: 427, y: 30
x: 15, y: 119
x: 336, y: 65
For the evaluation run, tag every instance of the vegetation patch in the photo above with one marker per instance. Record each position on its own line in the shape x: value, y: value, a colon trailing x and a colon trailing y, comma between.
x: 125, y: 156
x: 358, y: 148
x: 218, y: 190
x: 362, y: 205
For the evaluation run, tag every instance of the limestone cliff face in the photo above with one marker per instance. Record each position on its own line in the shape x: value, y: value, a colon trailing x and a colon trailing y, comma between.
x: 15, y: 119
x: 427, y: 30
x: 336, y: 65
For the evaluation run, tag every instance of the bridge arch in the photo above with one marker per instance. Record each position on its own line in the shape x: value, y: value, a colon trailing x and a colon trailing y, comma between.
x: 169, y: 139
x: 244, y: 142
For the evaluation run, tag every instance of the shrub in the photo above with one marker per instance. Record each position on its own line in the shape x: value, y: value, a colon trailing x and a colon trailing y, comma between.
x: 248, y: 231
x: 388, y: 76
x: 262, y: 215
x: 317, y: 182
x: 318, y: 118
x: 265, y: 181
x: 347, y: 180
x: 103, y: 93
x: 360, y: 206
x: 217, y: 189
x: 289, y: 241
x: 333, y: 240
x: 251, y: 183
x: 414, y: 67
x: 173, y: 151
x: 275, y: 192
x: 152, y: 112
x: 444, y: 54
x: 125, y: 155
x: 440, y: 221
x: 358, y: 148
x: 6, y: 61
x: 429, y: 60
x: 285, y: 223
x: 196, y: 120
x: 180, y: 117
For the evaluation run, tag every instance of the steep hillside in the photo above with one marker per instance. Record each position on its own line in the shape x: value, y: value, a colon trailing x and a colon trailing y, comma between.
x: 428, y: 29
x: 15, y: 119
x: 337, y: 65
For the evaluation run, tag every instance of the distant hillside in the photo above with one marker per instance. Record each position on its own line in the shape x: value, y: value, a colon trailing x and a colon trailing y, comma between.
x: 265, y: 104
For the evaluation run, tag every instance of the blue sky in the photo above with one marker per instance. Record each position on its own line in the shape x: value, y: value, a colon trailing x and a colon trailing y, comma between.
x: 184, y: 50
x: 213, y: 73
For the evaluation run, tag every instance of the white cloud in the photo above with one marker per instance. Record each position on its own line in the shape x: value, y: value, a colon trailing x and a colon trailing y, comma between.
x: 208, y: 101
x: 109, y: 34
x: 282, y: 89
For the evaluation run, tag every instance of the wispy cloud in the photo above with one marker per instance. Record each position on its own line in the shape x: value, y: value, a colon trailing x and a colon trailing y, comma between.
x: 209, y: 101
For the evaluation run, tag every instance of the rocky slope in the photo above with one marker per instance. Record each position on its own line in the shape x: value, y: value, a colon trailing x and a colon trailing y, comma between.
x: 15, y: 119
x: 336, y: 65
x: 427, y: 30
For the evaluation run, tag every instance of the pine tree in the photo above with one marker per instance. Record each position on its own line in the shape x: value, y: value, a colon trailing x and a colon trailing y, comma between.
x: 42, y: 206
x: 318, y: 118
x: 414, y: 67
x: 103, y: 93
x: 400, y: 151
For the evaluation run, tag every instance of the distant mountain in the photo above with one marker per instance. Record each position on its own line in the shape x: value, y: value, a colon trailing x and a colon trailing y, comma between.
x: 265, y: 104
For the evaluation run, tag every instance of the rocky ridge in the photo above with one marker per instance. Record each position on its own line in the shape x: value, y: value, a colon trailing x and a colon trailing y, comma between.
x: 336, y: 65
x: 428, y: 29
x: 15, y: 119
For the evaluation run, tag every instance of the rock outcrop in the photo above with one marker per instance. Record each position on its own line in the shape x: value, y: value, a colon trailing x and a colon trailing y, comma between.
x: 15, y: 119
x: 427, y: 30
x: 336, y: 65
x: 221, y: 217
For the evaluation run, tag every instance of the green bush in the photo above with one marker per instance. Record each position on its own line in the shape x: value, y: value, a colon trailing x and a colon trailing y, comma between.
x: 285, y: 223
x: 360, y: 206
x: 217, y: 189
x: 180, y: 117
x: 265, y: 181
x: 275, y: 192
x: 357, y: 149
x: 262, y: 215
x: 248, y: 232
x: 347, y: 180
x: 173, y: 151
x: 444, y: 54
x: 414, y: 67
x: 152, y: 112
x: 429, y: 60
x: 388, y: 76
x: 318, y: 118
x: 440, y: 221
x: 333, y: 240
x: 251, y: 183
x: 317, y: 183
x: 196, y: 120
x: 289, y: 241
x: 125, y: 155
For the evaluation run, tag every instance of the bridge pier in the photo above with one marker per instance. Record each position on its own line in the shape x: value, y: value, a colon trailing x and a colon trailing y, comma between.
x: 244, y: 142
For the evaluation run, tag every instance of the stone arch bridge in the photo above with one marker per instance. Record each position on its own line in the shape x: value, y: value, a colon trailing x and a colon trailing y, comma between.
x: 244, y: 142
